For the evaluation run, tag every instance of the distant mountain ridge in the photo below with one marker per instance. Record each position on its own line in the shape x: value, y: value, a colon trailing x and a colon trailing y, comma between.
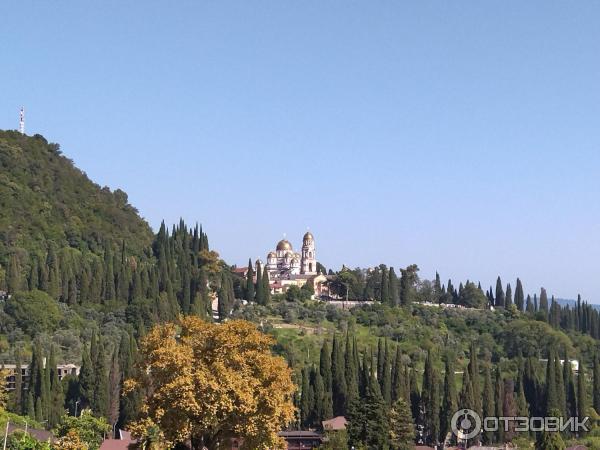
x: 572, y: 303
x: 44, y: 198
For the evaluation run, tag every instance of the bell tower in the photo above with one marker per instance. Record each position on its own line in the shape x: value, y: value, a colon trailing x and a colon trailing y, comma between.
x: 309, y: 258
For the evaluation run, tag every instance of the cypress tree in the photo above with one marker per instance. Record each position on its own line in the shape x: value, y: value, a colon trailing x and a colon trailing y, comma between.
x: 467, y: 399
x: 34, y: 274
x: 519, y: 296
x: 305, y: 406
x: 544, y: 302
x: 250, y: 282
x: 39, y: 410
x: 376, y: 416
x: 431, y: 401
x: 398, y: 382
x: 266, y: 287
x: 101, y: 378
x: 114, y: 389
x: 14, y: 278
x: 596, y: 383
x: 473, y: 369
x: 499, y: 402
x: 109, y: 275
x: 393, y: 289
x: 489, y: 407
x: 57, y: 399
x: 17, y: 401
x: 415, y: 396
x: 30, y: 408
x: 325, y: 366
x: 499, y: 293
x: 509, y: 408
x: 380, y: 361
x: 560, y: 386
x: 570, y: 394
x: 339, y: 378
x: 449, y: 400
x: 581, y: 391
x: 386, y: 384
x: 87, y: 380
x: 350, y: 369
x: 529, y: 308
x: 319, y: 393
x: 551, y: 397
x: 260, y: 299
x: 384, y: 286
x: 508, y: 299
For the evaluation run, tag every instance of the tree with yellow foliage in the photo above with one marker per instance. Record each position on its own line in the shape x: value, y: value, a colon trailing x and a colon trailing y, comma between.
x: 206, y: 383
x: 71, y: 441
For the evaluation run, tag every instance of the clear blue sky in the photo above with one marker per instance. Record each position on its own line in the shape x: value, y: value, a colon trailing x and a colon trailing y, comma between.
x: 461, y: 136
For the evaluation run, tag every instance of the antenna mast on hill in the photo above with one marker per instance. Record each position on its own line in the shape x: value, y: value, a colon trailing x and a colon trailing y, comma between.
x: 22, y: 121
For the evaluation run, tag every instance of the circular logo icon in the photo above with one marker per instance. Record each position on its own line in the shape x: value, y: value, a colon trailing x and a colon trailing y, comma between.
x: 466, y: 424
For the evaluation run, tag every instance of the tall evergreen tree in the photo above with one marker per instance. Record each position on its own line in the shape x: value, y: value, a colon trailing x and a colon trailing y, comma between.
x: 596, y: 384
x: 544, y: 301
x: 393, y: 289
x: 499, y: 402
x: 338, y: 378
x: 384, y: 286
x: 305, y: 397
x: 519, y: 296
x: 499, y: 293
x: 100, y: 405
x: 87, y: 381
x: 489, y: 406
x: 266, y: 287
x: 376, y: 417
x: 551, y: 397
x: 431, y: 401
x: 449, y: 399
x: 582, y: 401
x: 250, y: 282
x: 508, y: 301
x: 473, y: 369
x: 18, y: 406
x: 260, y: 298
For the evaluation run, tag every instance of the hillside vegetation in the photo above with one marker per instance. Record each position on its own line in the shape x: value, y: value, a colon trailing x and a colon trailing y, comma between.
x: 45, y: 199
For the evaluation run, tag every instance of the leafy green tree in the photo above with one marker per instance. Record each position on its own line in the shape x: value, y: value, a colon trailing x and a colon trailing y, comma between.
x: 408, y: 283
x: 90, y: 429
x: 34, y: 312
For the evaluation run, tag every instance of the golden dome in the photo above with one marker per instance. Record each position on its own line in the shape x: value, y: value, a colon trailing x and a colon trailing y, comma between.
x: 271, y: 255
x: 284, y: 245
x: 308, y: 235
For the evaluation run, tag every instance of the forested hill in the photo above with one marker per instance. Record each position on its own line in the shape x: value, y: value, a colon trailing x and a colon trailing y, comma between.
x: 45, y: 200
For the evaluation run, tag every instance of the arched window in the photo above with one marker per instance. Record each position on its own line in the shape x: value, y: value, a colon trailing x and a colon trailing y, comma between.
x: 310, y: 267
